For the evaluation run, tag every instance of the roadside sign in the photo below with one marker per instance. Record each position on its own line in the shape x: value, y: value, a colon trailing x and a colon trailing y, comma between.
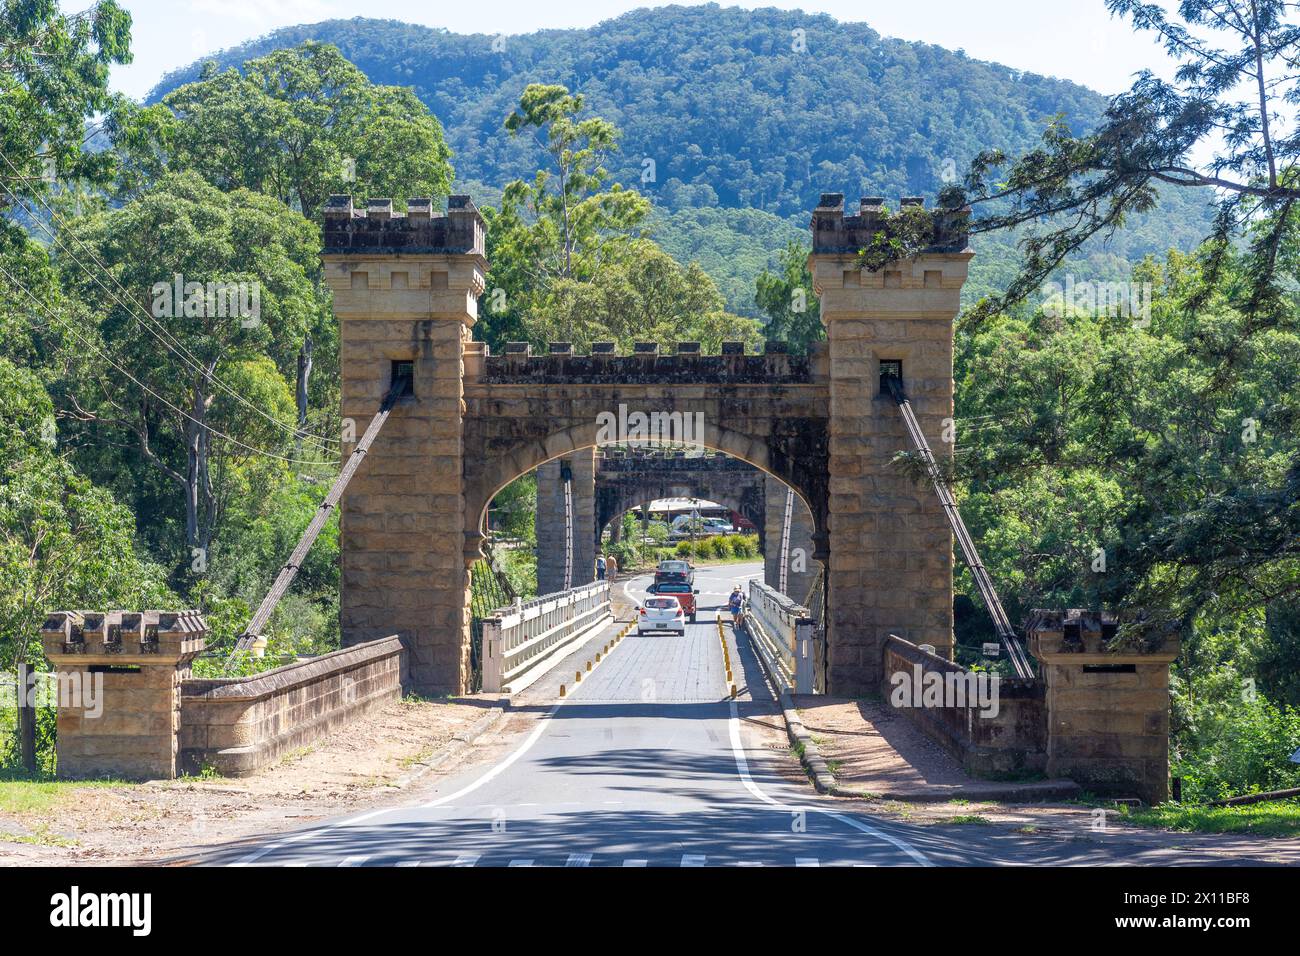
x: 1295, y: 757
x: 992, y: 649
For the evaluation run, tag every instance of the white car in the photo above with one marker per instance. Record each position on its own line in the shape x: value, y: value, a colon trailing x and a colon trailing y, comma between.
x: 661, y: 614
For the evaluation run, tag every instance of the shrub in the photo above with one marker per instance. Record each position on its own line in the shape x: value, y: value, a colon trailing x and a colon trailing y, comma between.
x: 718, y: 546
x: 1245, y: 751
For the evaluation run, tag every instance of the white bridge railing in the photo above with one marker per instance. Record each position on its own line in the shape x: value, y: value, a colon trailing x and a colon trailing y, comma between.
x: 783, y: 633
x: 523, y: 642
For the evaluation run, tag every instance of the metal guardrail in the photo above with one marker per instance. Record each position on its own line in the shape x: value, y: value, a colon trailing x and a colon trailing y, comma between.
x: 783, y: 633
x: 523, y: 641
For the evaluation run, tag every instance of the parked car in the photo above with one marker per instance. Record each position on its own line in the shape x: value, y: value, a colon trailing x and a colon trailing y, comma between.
x: 674, y: 570
x: 661, y: 614
x: 680, y: 590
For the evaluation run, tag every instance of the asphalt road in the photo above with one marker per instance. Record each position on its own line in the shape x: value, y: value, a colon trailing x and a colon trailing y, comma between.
x: 647, y: 762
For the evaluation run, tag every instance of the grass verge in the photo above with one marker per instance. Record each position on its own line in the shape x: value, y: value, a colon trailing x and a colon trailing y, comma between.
x: 1280, y: 819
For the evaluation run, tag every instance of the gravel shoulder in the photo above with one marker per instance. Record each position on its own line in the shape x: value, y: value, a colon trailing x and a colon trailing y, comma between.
x: 365, y: 764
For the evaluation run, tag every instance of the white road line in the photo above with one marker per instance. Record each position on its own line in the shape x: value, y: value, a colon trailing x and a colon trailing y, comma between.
x: 634, y: 862
x: 694, y: 859
x: 742, y: 767
x: 466, y: 859
x: 408, y: 863
x: 578, y: 859
x: 503, y: 765
x: 354, y: 860
x: 806, y: 861
x: 468, y: 788
x: 749, y: 863
x: 521, y: 862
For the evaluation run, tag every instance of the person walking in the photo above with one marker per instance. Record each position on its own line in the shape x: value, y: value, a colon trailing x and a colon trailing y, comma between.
x: 611, y: 566
x: 735, y: 604
x: 600, y: 567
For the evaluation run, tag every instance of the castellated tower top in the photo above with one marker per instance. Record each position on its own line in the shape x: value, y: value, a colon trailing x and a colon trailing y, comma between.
x: 834, y: 232
x: 378, y: 228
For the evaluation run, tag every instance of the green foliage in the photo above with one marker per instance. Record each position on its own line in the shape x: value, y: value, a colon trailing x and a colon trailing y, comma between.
x: 54, y: 71
x: 1242, y: 750
x: 743, y: 130
x: 788, y: 300
x: 297, y: 124
x: 1279, y: 818
x: 64, y: 543
x: 1170, y: 135
x: 195, y: 420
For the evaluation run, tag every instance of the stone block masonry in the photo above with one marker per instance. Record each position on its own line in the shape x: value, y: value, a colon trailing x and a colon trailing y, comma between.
x: 1107, y: 705
x: 891, y: 562
x: 146, y: 718
x: 239, y: 725
x: 552, y: 541
x: 128, y: 667
x: 406, y: 290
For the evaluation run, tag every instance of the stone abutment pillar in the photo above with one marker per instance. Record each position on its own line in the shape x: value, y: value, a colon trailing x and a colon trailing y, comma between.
x: 550, y: 528
x: 890, y: 548
x: 405, y: 290
x: 118, y: 680
x: 1107, y: 707
x: 801, y: 568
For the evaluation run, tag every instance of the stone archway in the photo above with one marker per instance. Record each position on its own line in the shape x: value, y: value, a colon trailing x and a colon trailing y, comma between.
x: 406, y: 290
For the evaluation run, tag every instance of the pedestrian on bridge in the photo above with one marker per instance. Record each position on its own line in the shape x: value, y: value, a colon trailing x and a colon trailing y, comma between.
x: 600, y: 567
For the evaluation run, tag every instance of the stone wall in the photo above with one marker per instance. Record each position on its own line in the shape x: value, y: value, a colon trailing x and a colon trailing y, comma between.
x: 551, y: 541
x: 240, y: 725
x: 801, y: 567
x: 1011, y: 743
x: 405, y: 288
x: 1107, y: 703
x: 120, y: 674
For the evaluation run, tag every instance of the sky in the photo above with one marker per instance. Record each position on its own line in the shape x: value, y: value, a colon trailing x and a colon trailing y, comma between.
x: 1072, y: 39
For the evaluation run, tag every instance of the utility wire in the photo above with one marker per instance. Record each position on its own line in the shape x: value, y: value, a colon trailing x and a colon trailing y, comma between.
x: 157, y: 329
x: 107, y: 358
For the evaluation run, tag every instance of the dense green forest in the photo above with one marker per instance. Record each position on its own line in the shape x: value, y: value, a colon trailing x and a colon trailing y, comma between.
x: 156, y: 455
x: 733, y: 123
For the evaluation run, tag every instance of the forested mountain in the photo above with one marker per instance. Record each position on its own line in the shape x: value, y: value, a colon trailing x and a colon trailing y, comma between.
x: 726, y: 109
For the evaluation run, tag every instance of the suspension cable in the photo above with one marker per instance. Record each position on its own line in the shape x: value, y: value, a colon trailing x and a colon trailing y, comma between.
x: 1001, y: 623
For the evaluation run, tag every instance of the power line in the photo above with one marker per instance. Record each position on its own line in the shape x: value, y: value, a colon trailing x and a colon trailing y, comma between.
x: 157, y: 329
x: 204, y: 425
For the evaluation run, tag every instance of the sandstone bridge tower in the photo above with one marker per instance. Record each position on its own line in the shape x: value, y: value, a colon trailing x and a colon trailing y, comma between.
x: 405, y: 293
x: 890, y: 558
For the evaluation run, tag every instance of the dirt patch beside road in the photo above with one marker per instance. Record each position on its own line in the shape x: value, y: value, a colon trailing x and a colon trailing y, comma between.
x: 99, y: 823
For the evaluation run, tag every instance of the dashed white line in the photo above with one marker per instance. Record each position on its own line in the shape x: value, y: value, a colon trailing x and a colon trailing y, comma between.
x: 466, y: 859
x: 353, y: 860
x: 578, y: 859
x: 694, y: 859
x: 806, y: 861
x: 634, y: 862
x: 521, y: 862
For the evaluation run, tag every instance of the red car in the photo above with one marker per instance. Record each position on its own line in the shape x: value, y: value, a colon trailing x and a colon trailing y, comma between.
x: 679, y: 589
